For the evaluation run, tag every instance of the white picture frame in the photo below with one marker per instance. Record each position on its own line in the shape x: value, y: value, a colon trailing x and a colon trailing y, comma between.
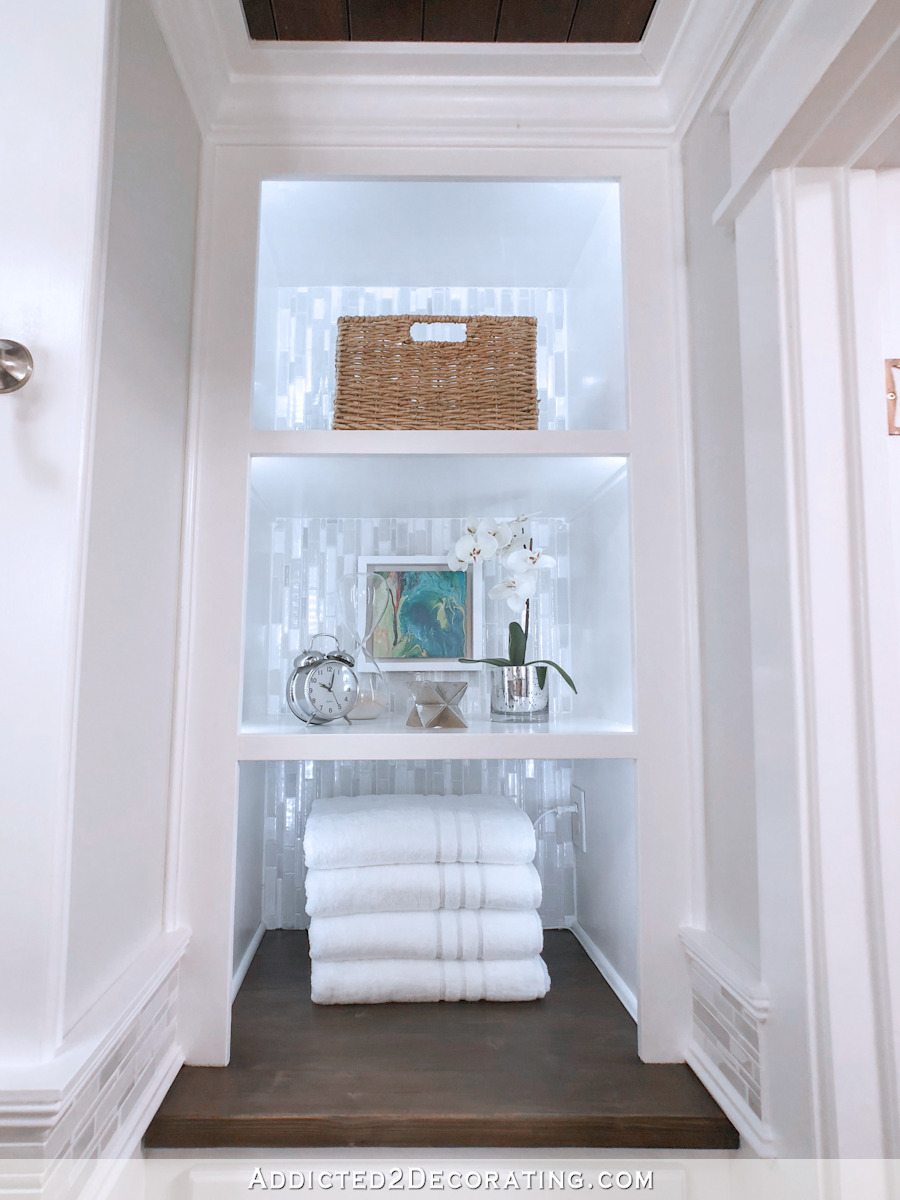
x: 474, y: 610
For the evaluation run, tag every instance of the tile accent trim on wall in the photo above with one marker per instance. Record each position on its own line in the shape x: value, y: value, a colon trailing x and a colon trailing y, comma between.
x: 730, y: 1008
x: 94, y: 1099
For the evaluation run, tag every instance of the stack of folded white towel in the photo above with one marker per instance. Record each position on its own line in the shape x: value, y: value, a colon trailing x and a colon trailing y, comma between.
x: 415, y: 898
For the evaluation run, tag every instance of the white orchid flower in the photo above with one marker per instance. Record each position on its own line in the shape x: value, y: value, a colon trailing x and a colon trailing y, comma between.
x: 454, y: 563
x: 518, y: 536
x: 528, y: 560
x: 500, y: 530
x: 516, y: 590
x: 472, y: 547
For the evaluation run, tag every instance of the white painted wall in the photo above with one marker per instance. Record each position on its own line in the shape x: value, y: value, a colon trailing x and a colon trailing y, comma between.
x: 870, y: 253
x: 606, y: 874
x: 258, y: 615
x: 824, y: 652
x: 779, y: 766
x: 844, y: 875
x: 602, y: 599
x: 51, y: 94
x: 454, y: 232
x: 888, y: 233
x: 596, y: 375
x: 883, y: 520
x: 126, y: 683
x: 265, y: 334
x: 248, y: 886
x: 722, y: 567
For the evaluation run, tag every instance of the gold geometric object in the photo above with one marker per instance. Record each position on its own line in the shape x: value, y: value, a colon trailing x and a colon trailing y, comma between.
x: 436, y: 705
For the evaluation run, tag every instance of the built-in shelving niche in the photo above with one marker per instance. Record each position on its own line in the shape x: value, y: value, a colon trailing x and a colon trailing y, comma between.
x: 597, y: 887
x: 551, y: 250
x: 312, y: 517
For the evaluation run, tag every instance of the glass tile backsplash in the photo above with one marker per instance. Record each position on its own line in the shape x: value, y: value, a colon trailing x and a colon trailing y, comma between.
x: 291, y: 787
x: 294, y: 377
x: 310, y: 557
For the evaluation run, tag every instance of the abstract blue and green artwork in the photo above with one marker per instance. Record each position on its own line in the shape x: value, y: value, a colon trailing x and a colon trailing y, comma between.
x: 426, y: 616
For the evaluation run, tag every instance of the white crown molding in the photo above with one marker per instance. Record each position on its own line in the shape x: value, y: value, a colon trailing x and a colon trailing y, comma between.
x: 827, y: 99
x: 663, y: 31
x: 697, y: 64
x: 197, y: 48
x: 440, y: 59
x: 331, y: 93
x: 368, y: 111
x: 759, y: 29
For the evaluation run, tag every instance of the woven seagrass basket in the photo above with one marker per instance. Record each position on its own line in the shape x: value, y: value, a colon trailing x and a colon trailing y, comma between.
x: 385, y: 380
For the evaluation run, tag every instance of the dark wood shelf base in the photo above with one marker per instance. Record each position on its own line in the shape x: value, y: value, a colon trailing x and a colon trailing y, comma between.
x: 559, y: 1072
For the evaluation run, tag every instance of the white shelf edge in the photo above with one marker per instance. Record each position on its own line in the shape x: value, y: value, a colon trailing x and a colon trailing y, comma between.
x: 505, y: 741
x: 580, y: 442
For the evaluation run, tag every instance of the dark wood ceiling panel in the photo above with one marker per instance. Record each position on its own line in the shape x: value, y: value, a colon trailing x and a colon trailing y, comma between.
x: 461, y: 20
x: 610, y: 20
x: 535, y: 20
x: 260, y: 21
x: 477, y: 21
x: 386, y: 20
x: 305, y: 21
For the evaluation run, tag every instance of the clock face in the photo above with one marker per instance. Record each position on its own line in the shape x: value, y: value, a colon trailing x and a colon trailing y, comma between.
x: 331, y: 690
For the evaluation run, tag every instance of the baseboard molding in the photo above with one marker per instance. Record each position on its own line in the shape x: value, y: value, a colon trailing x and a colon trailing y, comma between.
x: 735, y: 1107
x: 94, y: 1099
x: 243, y: 966
x: 103, y: 1178
x: 606, y: 969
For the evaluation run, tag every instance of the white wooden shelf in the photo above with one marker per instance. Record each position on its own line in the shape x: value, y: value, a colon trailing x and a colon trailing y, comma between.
x: 622, y: 492
x: 569, y: 442
x: 390, y: 738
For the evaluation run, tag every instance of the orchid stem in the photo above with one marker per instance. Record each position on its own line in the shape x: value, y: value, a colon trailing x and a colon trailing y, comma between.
x: 528, y: 602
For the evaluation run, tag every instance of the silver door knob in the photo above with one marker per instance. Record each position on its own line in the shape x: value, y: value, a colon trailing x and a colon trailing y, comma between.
x: 16, y: 365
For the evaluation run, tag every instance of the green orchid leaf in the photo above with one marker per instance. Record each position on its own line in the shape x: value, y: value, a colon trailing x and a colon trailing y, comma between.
x: 547, y: 663
x: 516, y: 644
x: 541, y: 673
x: 494, y: 662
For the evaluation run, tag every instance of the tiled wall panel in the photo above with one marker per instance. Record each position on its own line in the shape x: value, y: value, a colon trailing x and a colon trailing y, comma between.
x: 310, y: 557
x: 306, y: 324
x: 291, y: 788
x: 728, y: 1033
x: 98, y: 1117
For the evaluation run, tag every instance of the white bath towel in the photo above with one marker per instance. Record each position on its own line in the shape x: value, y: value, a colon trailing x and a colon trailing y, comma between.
x: 450, y: 935
x: 402, y: 980
x: 421, y: 886
x: 367, y: 831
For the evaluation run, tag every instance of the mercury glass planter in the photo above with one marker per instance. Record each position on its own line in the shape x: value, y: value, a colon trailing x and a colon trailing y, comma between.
x: 516, y: 694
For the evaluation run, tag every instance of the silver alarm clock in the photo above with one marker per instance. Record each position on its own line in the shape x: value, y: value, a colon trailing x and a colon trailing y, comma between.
x: 322, y: 687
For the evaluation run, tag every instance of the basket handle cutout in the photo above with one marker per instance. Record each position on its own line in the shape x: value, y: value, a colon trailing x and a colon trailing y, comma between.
x: 438, y: 331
